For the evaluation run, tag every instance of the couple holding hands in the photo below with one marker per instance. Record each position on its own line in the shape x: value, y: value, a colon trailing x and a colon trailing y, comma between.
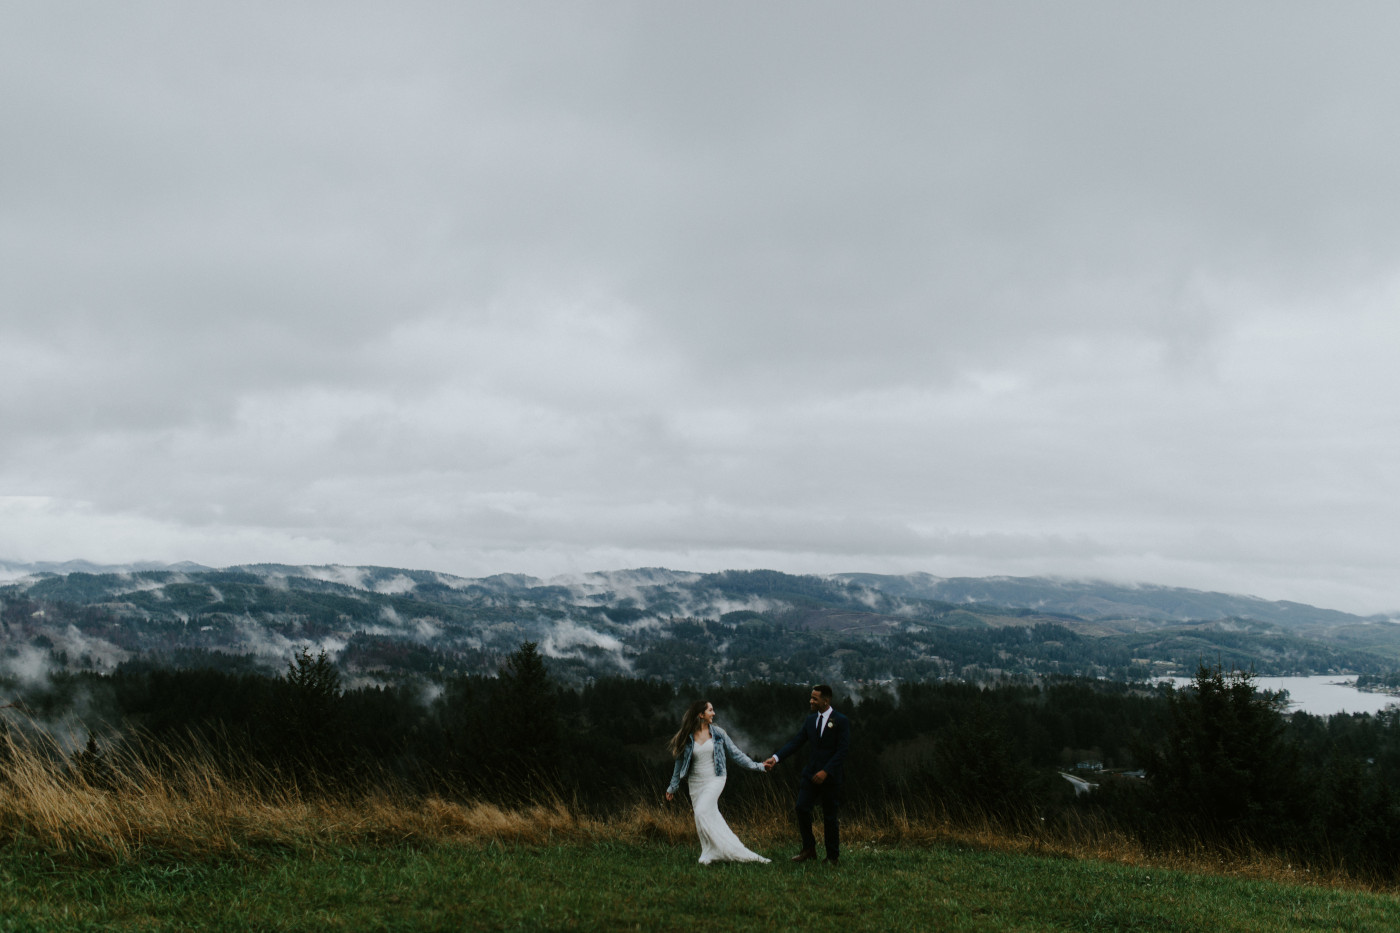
x: 701, y: 749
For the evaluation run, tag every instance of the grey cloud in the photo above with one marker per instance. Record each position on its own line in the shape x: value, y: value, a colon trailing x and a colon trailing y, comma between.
x: 1081, y: 288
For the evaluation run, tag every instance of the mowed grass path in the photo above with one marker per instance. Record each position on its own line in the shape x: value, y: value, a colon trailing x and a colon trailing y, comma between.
x: 619, y: 886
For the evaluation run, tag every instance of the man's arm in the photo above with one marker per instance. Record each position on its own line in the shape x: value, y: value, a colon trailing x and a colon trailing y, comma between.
x: 793, y: 745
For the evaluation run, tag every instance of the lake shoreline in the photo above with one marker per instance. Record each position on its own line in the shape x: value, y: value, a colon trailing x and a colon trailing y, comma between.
x: 1320, y: 694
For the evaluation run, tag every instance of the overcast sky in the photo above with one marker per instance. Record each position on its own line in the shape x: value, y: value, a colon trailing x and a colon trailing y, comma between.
x: 1101, y: 290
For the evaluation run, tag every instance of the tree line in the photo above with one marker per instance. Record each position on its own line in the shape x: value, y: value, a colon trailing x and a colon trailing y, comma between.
x: 1219, y: 761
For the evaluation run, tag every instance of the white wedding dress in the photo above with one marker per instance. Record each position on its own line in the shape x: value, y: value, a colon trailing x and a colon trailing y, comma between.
x: 717, y: 841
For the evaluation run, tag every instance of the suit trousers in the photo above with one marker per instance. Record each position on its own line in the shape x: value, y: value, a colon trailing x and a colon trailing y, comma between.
x: 826, y: 795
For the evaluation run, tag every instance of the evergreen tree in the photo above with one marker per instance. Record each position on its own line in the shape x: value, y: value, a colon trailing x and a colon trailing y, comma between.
x: 311, y: 712
x: 527, y: 720
x: 1223, y: 762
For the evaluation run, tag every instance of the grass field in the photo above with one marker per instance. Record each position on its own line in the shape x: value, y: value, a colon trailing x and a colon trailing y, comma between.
x: 655, y: 886
x: 181, y: 844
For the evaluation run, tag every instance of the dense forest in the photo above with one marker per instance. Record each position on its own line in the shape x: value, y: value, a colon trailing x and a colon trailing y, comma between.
x: 1219, y: 760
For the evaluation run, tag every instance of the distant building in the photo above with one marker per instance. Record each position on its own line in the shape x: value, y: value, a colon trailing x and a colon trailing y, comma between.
x: 1080, y: 785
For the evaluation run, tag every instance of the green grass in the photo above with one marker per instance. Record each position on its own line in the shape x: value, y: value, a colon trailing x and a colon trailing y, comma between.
x: 619, y: 886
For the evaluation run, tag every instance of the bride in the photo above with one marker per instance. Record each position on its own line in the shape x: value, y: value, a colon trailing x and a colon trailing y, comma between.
x: 700, y: 749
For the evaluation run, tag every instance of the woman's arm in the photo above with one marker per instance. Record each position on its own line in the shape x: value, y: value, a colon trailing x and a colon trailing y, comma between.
x: 676, y: 775
x: 736, y: 753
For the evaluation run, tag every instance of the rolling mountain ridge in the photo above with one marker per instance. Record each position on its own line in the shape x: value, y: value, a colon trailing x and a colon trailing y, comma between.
x: 385, y: 624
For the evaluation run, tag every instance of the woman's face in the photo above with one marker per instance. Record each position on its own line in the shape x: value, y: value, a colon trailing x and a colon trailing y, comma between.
x: 708, y: 716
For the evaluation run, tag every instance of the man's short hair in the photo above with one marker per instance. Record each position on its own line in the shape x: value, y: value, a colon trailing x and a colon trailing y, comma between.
x: 824, y: 690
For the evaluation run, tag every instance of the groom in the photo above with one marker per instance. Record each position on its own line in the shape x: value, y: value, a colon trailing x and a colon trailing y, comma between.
x: 830, y: 735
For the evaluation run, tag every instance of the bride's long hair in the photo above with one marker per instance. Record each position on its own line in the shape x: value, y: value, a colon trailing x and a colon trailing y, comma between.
x: 689, y: 723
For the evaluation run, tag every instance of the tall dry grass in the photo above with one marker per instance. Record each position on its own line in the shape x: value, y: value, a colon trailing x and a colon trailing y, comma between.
x: 188, y: 804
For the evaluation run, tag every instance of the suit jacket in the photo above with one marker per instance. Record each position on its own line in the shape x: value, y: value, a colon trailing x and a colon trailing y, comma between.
x: 828, y: 749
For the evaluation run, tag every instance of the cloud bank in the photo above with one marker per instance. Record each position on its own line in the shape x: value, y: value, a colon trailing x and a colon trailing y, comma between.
x: 1091, y: 290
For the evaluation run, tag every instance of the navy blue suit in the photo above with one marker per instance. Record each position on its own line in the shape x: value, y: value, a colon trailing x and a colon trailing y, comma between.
x: 829, y: 755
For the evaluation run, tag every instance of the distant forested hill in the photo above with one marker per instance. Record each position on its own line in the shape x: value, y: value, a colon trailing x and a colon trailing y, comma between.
x: 732, y: 627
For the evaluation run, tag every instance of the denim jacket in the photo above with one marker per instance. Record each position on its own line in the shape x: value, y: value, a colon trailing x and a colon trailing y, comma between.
x: 724, y: 746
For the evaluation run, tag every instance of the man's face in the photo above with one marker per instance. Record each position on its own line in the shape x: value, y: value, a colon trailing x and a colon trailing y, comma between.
x: 818, y: 703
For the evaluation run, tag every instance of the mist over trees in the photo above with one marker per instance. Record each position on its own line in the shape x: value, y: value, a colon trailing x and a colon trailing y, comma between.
x: 399, y: 626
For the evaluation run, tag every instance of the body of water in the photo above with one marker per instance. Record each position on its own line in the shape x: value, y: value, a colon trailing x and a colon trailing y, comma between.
x: 1319, y: 694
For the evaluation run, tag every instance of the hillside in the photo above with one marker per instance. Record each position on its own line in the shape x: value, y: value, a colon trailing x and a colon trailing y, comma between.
x: 1108, y: 601
x: 732, y: 627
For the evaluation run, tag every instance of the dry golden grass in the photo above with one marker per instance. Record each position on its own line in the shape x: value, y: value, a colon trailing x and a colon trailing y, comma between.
x: 185, y: 804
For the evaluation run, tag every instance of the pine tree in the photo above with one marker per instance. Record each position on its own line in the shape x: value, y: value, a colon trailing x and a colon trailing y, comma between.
x: 527, y: 716
x: 1224, y: 762
x: 310, y: 717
